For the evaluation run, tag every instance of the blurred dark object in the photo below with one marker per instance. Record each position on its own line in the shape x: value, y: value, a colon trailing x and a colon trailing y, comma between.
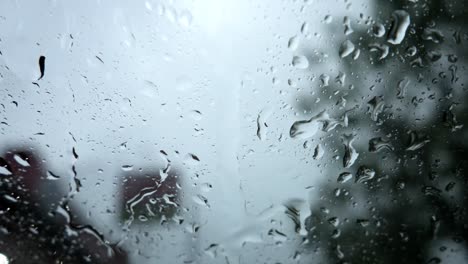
x: 36, y: 224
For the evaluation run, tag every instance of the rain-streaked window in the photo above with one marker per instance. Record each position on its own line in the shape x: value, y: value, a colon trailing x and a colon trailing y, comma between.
x: 233, y: 131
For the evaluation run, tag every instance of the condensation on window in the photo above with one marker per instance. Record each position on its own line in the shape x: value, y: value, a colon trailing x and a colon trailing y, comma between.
x: 233, y: 132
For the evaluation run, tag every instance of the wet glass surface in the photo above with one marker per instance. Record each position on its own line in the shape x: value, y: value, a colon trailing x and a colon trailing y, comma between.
x: 230, y: 131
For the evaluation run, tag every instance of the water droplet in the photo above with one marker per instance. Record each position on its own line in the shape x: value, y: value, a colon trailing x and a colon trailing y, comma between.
x: 4, y: 168
x: 356, y: 54
x: 143, y: 218
x: 293, y: 43
x: 346, y: 48
x: 340, y: 78
x: 378, y: 143
x: 300, y: 62
x: 41, y: 66
x: 351, y: 154
x: 363, y: 222
x: 417, y: 140
x: 277, y: 235
x: 325, y: 79
x: 411, y: 51
x: 191, y: 159
x: 318, y: 152
x: 336, y: 234
x: 347, y: 26
x: 305, y: 28
x: 298, y: 211
x: 383, y: 50
x: 23, y: 161
x: 262, y: 123
x: 449, y: 186
x: 401, y: 87
x: 201, y: 200
x: 375, y: 107
x: 452, y: 58
x: 10, y: 198
x: 52, y: 176
x: 364, y: 174
x: 339, y: 253
x: 416, y: 63
x: 206, y: 187
x: 450, y: 120
x: 434, y: 55
x: 127, y: 167
x: 212, y: 250
x: 328, y: 19
x: 400, y: 23
x: 431, y: 191
x: 434, y: 35
x: 344, y: 177
x: 307, y: 128
x: 378, y: 30
x: 334, y: 221
x: 337, y: 192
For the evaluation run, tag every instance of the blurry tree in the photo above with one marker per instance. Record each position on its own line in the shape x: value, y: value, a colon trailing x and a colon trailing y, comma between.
x: 415, y: 206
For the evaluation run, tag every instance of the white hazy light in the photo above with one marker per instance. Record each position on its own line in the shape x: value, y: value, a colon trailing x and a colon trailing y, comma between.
x: 215, y: 15
x: 3, y: 259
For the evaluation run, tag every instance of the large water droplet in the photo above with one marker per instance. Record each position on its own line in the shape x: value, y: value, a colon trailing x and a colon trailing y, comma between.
x: 127, y: 167
x: 400, y: 23
x: 318, y: 152
x: 364, y: 174
x: 401, y: 87
x: 351, y: 154
x: 293, y: 43
x: 300, y: 62
x: 377, y: 144
x: 432, y: 34
x: 298, y: 210
x: 378, y: 30
x: 347, y: 26
x: 344, y: 177
x: 4, y: 168
x: 307, y: 128
x: 23, y: 161
x: 382, y: 49
x: 375, y: 107
x: 417, y: 140
x: 325, y: 79
x: 346, y: 48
